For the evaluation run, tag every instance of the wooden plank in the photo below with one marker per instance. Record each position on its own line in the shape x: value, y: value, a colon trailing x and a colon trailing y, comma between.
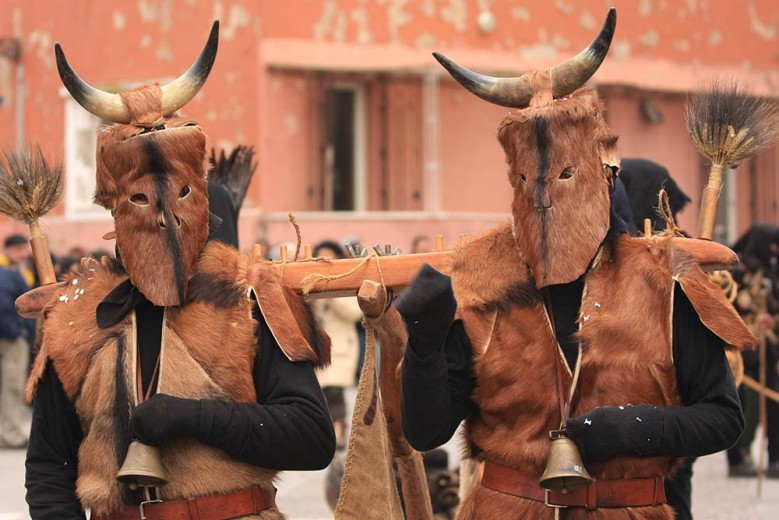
x: 344, y: 277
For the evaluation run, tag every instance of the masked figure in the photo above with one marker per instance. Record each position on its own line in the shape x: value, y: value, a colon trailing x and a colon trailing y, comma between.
x: 758, y: 302
x: 181, y: 343
x: 560, y: 320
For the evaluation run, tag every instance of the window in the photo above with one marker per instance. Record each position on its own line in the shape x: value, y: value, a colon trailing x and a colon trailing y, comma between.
x: 344, y: 148
x: 80, y: 145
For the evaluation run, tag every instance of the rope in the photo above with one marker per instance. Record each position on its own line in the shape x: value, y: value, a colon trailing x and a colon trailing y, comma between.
x: 294, y: 223
x: 726, y: 282
x: 664, y: 209
x: 311, y: 281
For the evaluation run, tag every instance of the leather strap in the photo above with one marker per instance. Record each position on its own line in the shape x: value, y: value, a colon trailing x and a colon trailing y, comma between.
x: 561, y: 397
x: 248, y: 501
x: 636, y: 492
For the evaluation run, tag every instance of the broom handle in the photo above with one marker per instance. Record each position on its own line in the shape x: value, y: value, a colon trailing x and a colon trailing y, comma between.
x: 41, y: 255
x: 708, y: 215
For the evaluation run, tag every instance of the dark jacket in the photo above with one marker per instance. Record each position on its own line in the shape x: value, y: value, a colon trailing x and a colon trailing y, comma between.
x: 12, y: 285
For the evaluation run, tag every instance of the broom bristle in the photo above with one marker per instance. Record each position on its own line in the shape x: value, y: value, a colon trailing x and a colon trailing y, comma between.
x: 234, y: 172
x: 29, y: 185
x: 728, y: 125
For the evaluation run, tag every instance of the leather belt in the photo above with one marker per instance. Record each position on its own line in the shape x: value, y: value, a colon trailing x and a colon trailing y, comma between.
x: 636, y: 492
x: 248, y: 501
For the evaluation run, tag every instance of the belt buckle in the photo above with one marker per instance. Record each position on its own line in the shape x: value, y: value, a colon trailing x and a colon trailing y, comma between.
x: 143, y: 504
x: 547, y: 503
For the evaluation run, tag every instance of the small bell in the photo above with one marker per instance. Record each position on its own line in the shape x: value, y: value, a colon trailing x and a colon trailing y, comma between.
x: 142, y: 467
x: 565, y: 470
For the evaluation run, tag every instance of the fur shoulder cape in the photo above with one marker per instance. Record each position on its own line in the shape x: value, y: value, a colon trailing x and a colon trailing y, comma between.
x: 489, y: 273
x: 223, y: 278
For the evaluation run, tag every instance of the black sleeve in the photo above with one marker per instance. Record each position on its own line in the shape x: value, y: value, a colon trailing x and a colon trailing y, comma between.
x: 288, y: 429
x: 436, y: 390
x: 52, y: 453
x: 711, y: 419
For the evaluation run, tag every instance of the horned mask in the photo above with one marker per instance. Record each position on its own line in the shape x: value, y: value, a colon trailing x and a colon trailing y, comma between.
x: 151, y: 174
x: 561, y: 158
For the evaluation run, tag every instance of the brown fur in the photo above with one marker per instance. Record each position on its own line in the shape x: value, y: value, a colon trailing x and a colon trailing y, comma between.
x: 516, y: 391
x: 714, y: 309
x: 70, y: 334
x: 287, y: 316
x: 144, y: 105
x: 156, y: 158
x: 208, y: 351
x: 574, y: 134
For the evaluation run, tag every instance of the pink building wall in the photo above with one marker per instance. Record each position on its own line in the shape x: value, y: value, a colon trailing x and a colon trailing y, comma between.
x: 273, y: 56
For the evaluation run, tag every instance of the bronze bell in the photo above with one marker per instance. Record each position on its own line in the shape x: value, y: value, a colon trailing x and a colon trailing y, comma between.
x: 565, y: 470
x: 142, y: 467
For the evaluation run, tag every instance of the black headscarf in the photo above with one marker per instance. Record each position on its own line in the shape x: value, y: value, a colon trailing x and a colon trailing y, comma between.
x: 643, y: 180
x: 755, y: 248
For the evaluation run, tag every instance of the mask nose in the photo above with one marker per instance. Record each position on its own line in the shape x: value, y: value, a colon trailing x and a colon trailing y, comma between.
x: 546, y: 200
x: 162, y: 221
x: 542, y: 197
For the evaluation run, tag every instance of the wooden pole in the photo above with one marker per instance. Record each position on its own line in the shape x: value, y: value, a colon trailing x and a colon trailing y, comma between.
x: 41, y: 254
x: 763, y: 413
x: 395, y: 271
x: 391, y: 332
x: 708, y: 215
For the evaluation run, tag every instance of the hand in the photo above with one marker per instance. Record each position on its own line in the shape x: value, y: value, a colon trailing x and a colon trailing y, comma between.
x: 617, y: 430
x: 163, y: 416
x: 427, y: 307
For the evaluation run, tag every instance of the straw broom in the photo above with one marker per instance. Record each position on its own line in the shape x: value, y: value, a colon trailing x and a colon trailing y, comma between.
x: 727, y: 126
x: 29, y: 188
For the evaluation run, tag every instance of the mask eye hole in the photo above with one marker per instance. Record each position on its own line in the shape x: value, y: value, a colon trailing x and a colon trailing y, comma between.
x: 568, y: 173
x: 139, y: 199
x: 522, y: 177
x: 186, y: 190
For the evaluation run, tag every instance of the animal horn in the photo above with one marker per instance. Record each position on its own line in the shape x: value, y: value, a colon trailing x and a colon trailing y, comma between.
x: 111, y: 107
x: 517, y: 92
x: 100, y: 103
x: 178, y: 92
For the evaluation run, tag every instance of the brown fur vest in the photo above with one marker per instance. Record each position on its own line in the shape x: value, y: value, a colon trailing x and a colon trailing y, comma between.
x: 625, y: 356
x: 208, y: 351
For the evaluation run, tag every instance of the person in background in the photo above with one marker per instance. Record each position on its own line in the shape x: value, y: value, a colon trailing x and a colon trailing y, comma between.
x: 16, y: 256
x: 338, y: 317
x: 643, y: 179
x: 758, y: 302
x: 420, y: 244
x: 16, y: 335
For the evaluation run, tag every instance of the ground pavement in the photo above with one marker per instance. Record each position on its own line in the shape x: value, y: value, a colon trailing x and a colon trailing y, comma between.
x: 301, y: 494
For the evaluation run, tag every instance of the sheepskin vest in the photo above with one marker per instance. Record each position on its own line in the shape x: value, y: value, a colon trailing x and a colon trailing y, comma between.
x: 208, y: 349
x: 625, y: 357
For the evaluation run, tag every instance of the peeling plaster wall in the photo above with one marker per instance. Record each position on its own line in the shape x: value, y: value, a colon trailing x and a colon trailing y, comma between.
x: 114, y: 44
x: 710, y: 30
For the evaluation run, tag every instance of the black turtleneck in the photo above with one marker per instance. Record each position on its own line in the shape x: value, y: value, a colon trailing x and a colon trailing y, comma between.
x: 431, y: 416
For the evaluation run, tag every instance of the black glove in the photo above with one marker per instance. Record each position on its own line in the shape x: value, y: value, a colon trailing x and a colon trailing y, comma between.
x: 617, y: 430
x: 427, y: 307
x: 163, y: 416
